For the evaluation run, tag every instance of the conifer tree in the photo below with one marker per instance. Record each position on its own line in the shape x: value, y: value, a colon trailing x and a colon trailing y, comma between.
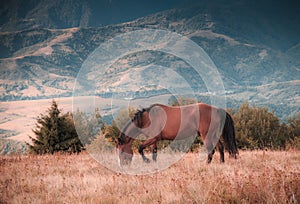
x: 54, y: 132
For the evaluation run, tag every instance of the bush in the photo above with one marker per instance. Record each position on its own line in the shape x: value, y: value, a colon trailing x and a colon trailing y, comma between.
x: 257, y: 128
x: 294, y: 130
x: 88, y: 126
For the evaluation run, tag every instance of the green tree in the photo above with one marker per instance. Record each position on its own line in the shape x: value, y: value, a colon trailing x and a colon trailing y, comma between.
x: 294, y: 125
x: 88, y: 125
x: 55, y: 132
x: 294, y: 130
x: 100, y: 144
x: 112, y: 131
x: 106, y: 138
x: 258, y: 128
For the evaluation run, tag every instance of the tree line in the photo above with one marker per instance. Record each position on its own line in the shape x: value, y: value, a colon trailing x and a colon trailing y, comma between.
x: 259, y: 128
x: 256, y: 128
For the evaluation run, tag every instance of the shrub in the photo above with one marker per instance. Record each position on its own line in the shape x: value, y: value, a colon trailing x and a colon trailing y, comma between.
x: 257, y: 128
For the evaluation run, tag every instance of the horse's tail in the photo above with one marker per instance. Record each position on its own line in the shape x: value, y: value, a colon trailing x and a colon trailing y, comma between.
x: 228, y: 134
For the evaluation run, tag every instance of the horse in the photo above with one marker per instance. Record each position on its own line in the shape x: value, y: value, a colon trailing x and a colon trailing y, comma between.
x: 161, y: 122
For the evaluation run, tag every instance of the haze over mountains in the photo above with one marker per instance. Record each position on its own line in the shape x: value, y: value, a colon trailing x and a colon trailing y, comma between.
x: 255, y: 45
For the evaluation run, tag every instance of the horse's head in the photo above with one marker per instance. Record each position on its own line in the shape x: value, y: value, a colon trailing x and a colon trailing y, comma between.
x: 125, y: 139
x: 123, y: 145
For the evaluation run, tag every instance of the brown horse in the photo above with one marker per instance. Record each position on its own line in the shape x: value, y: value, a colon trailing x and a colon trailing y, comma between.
x: 160, y: 122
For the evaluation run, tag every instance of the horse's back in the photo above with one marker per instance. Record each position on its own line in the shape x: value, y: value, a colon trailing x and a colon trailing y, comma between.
x: 199, y: 108
x: 201, y: 112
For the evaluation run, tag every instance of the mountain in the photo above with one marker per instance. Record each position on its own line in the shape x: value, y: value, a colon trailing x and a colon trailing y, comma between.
x: 16, y: 15
x: 254, y: 45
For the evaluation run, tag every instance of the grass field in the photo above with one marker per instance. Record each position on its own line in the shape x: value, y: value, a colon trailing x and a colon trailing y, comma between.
x: 256, y: 177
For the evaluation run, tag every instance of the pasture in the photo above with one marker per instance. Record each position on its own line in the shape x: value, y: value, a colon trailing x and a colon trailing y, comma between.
x: 256, y: 177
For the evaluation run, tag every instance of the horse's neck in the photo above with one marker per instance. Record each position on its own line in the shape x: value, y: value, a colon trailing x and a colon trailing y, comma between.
x: 130, y: 141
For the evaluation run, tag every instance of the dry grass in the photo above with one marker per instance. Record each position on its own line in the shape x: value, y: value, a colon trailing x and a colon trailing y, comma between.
x: 257, y: 177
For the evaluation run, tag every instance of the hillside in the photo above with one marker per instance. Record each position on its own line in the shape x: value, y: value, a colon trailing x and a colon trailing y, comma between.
x: 18, y: 15
x: 254, y: 45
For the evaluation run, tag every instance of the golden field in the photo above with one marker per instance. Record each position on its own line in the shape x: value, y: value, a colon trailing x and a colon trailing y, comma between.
x: 256, y: 177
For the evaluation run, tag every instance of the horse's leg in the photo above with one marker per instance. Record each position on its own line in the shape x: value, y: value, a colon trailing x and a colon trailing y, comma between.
x: 154, y: 152
x: 210, y: 148
x: 141, y: 151
x: 210, y: 154
x: 211, y: 141
x: 207, y: 145
x: 144, y: 145
x: 221, y: 150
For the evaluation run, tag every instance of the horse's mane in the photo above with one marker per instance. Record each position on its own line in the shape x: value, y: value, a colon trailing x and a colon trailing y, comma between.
x: 139, y: 114
x: 138, y: 117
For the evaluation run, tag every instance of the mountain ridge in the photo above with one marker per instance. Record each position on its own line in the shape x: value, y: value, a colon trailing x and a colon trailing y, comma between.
x: 43, y: 62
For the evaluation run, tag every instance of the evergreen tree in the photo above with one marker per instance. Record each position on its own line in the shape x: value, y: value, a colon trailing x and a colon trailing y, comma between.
x: 54, y: 132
